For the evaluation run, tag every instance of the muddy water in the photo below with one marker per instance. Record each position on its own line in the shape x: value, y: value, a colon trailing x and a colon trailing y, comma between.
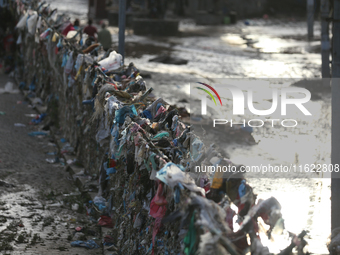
x: 31, y: 225
x: 272, y: 48
x: 74, y: 8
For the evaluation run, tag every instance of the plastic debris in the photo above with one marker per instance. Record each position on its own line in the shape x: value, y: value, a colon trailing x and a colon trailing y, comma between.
x: 90, y: 244
x: 9, y: 88
x: 75, y: 207
x: 38, y: 119
x: 19, y: 125
x: 105, y: 221
x: 52, y: 161
x: 113, y: 62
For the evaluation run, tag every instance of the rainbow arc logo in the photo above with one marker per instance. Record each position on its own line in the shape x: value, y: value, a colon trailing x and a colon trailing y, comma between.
x: 209, y: 93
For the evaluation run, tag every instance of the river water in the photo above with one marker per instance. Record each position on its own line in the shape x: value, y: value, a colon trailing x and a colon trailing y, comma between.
x: 265, y: 49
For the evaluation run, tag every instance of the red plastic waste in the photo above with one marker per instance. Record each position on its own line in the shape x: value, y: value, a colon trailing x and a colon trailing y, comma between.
x: 159, y: 198
x: 105, y: 221
x: 158, y: 203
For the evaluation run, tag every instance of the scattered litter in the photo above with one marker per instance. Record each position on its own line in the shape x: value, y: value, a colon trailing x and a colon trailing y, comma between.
x: 90, y: 244
x: 75, y: 207
x: 52, y: 160
x: 31, y: 115
x: 19, y: 125
x: 70, y: 161
x: 38, y: 119
x: 58, y: 204
x: 105, y: 221
x: 78, y: 236
x: 67, y: 148
x: 9, y: 88
x: 37, y: 100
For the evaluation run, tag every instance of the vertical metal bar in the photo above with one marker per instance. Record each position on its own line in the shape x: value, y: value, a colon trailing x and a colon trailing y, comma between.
x: 121, y: 23
x: 310, y: 18
x: 325, y: 44
x: 335, y: 188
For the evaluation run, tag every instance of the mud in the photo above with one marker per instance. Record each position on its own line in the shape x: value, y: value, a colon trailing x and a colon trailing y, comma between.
x: 35, y: 205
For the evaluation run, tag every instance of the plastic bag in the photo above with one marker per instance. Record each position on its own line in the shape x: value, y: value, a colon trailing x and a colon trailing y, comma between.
x: 157, y: 211
x: 36, y: 38
x: 22, y: 22
x: 64, y: 61
x: 79, y: 61
x: 69, y: 64
x: 73, y: 35
x: 112, y: 105
x: 32, y: 23
x: 90, y: 244
x: 81, y: 58
x: 9, y: 88
x: 45, y: 34
x: 196, y: 149
x: 159, y: 198
x: 103, y: 132
x: 161, y: 135
x: 38, y: 26
x: 99, y: 201
x: 105, y: 221
x: 54, y: 16
x: 122, y: 113
x: 83, y: 39
x: 113, y: 62
x: 153, y: 107
x: 171, y: 175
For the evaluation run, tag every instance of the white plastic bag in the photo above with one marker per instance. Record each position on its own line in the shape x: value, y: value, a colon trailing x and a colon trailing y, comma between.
x: 32, y: 23
x: 22, y: 22
x: 83, y: 39
x: 9, y: 88
x: 69, y: 64
x: 113, y: 62
x: 36, y: 37
x: 79, y: 61
x: 103, y: 132
x: 39, y: 23
x: 54, y: 16
x: 81, y: 58
x: 171, y: 175
x: 71, y: 34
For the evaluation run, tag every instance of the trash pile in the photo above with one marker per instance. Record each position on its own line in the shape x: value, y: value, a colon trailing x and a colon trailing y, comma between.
x: 139, y: 148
